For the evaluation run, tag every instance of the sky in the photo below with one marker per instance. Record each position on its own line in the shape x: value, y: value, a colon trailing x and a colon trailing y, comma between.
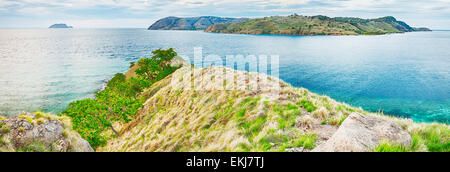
x: 434, y: 14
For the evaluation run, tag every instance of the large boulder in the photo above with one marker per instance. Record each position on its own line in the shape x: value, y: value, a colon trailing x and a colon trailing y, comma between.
x: 362, y: 133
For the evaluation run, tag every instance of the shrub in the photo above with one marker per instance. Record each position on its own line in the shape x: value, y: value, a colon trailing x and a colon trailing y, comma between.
x: 304, y: 121
x: 307, y: 141
x: 308, y: 105
x: 5, y: 129
x: 40, y: 121
x: 38, y: 115
x: 120, y: 100
x: 148, y: 68
x: 322, y: 113
x: 29, y: 119
x: 116, y: 80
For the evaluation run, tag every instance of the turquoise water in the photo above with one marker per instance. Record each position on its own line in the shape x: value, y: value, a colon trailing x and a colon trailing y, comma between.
x: 405, y: 75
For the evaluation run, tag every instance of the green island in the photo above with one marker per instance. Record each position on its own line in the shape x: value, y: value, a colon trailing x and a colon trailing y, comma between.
x: 145, y: 110
x: 315, y: 25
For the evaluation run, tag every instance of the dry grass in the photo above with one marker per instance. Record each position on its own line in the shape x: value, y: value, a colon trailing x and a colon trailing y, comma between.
x: 226, y: 116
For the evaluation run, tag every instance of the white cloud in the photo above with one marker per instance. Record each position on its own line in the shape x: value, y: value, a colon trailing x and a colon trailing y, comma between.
x: 154, y: 9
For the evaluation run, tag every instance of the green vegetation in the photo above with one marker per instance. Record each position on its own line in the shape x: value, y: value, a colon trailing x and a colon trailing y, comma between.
x: 35, y: 147
x: 5, y: 129
x: 426, y: 138
x: 216, y: 120
x: 435, y: 137
x: 29, y: 119
x: 120, y: 100
x: 387, y: 147
x: 306, y: 141
x: 308, y: 105
x: 315, y: 25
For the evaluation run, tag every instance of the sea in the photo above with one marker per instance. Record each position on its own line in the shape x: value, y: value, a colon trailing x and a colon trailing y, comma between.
x: 405, y: 75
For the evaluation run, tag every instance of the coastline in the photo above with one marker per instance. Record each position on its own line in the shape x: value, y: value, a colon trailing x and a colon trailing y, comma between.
x: 309, y: 115
x: 163, y: 94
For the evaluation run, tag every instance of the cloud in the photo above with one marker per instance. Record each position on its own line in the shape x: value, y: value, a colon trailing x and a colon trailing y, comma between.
x: 135, y: 10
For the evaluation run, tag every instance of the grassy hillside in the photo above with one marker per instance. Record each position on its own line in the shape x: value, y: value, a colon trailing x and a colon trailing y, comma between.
x: 156, y: 106
x: 210, y: 119
x: 314, y: 25
x: 96, y: 119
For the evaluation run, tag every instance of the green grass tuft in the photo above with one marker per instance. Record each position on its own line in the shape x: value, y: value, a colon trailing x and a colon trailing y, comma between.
x: 387, y: 147
x: 308, y: 105
x: 5, y: 129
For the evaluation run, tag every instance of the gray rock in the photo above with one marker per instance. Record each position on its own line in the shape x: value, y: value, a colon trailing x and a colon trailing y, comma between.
x: 362, y: 133
x: 300, y: 149
x: 42, y: 136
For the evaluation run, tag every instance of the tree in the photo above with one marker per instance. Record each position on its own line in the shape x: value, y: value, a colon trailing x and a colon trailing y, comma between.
x: 148, y: 68
x: 163, y: 57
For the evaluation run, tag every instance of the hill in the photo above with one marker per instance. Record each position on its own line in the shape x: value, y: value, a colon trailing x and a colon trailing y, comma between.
x: 165, y: 104
x: 315, y: 25
x: 227, y: 116
x: 191, y: 23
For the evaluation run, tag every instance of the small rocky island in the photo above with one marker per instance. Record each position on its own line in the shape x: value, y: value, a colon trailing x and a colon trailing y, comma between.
x: 60, y: 26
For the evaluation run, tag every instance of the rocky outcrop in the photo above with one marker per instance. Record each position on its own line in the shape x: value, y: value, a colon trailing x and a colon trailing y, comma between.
x: 40, y: 132
x: 190, y: 23
x: 361, y: 133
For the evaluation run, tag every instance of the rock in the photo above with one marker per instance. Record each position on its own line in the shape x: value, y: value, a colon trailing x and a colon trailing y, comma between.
x: 362, y: 133
x: 30, y: 133
x: 300, y: 149
x: 81, y: 145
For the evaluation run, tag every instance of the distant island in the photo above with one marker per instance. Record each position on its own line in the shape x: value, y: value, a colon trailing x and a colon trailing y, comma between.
x: 191, y: 23
x: 315, y: 25
x: 60, y: 26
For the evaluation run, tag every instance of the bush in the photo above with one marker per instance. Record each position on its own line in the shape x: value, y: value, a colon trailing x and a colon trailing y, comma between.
x: 5, y: 129
x: 116, y: 80
x: 120, y: 101
x: 308, y: 105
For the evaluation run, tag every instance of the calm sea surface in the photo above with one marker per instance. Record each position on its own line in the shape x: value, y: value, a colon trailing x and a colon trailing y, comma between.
x: 404, y: 75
